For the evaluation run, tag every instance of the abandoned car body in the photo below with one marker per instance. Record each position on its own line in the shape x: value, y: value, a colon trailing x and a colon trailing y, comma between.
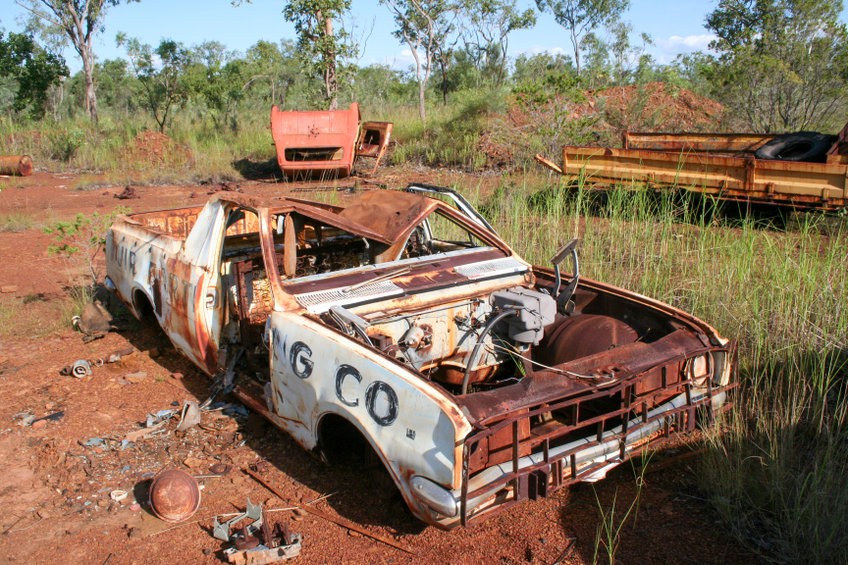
x: 478, y: 379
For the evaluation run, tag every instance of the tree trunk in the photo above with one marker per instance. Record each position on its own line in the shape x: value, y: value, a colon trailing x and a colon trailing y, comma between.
x: 576, y: 46
x: 90, y: 95
x: 443, y: 69
x: 421, y: 111
x: 421, y: 77
x: 87, y: 56
x: 331, y: 84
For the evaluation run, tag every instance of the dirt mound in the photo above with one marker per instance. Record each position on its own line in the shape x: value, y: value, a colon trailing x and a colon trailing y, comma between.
x: 655, y: 106
x: 155, y: 148
x: 543, y: 124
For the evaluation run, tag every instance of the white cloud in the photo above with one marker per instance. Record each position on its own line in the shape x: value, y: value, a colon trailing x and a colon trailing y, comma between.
x: 399, y: 60
x: 685, y: 43
x: 538, y: 49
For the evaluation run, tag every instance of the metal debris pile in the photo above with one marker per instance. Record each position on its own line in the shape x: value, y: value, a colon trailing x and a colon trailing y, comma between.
x: 256, y: 542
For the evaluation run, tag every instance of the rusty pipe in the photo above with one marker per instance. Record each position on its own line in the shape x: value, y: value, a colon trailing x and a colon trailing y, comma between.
x: 472, y: 360
x: 16, y: 165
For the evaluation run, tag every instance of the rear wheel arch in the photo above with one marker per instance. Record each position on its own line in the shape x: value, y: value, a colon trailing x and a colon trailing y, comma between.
x: 143, y: 306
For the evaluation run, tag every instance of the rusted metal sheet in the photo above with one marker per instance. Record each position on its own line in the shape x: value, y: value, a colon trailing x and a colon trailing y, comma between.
x: 15, y: 165
x: 697, y: 142
x: 410, y: 323
x: 814, y: 185
x: 389, y: 214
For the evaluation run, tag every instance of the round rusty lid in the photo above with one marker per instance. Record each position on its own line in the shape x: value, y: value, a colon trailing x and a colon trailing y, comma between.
x: 174, y: 495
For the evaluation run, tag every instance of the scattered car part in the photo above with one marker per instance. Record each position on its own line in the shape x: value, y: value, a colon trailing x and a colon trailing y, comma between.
x: 94, y: 322
x: 136, y: 435
x: 220, y: 469
x: 116, y: 356
x: 256, y: 543
x: 81, y: 368
x: 262, y: 554
x: 174, y: 495
x: 16, y: 165
x: 160, y: 416
x: 118, y: 495
x: 190, y: 416
x: 334, y: 519
x: 373, y: 141
x: 222, y: 531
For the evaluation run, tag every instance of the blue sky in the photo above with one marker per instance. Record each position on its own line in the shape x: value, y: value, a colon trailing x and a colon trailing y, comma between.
x: 675, y: 27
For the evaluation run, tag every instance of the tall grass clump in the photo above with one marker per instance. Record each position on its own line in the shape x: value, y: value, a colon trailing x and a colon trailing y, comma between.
x: 451, y: 134
x: 775, y: 467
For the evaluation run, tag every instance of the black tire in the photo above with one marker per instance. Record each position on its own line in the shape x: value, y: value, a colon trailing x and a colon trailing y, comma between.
x: 799, y: 146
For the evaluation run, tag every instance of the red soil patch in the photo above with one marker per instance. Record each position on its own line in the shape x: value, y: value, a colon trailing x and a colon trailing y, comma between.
x: 655, y: 106
x: 156, y: 148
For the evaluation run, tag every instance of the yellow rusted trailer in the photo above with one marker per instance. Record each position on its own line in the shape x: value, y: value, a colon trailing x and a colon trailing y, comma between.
x: 725, y: 166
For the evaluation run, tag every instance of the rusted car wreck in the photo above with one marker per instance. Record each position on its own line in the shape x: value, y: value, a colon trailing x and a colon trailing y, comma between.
x: 402, y: 319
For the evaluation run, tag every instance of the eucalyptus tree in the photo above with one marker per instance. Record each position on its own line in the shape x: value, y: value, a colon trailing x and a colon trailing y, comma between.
x: 424, y: 26
x: 781, y: 64
x: 581, y: 17
x: 77, y: 21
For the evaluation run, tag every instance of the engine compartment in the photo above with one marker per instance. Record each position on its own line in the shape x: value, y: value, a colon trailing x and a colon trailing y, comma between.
x: 476, y: 343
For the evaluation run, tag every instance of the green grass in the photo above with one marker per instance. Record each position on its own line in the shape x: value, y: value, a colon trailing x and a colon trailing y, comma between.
x: 109, y: 149
x: 450, y: 137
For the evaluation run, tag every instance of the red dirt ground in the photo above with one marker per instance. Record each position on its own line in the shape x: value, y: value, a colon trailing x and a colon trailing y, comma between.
x: 55, y: 489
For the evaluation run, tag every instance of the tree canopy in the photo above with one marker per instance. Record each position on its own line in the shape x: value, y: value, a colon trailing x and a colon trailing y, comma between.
x: 32, y: 69
x: 780, y: 64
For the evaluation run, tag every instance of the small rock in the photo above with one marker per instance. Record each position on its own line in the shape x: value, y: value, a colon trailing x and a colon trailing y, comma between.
x: 207, y: 551
x: 354, y: 534
x: 136, y: 378
x: 154, y: 352
x: 38, y: 424
x: 135, y: 506
x: 9, y: 288
x: 103, y: 503
x: 177, y: 376
x: 192, y: 462
x: 299, y: 512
